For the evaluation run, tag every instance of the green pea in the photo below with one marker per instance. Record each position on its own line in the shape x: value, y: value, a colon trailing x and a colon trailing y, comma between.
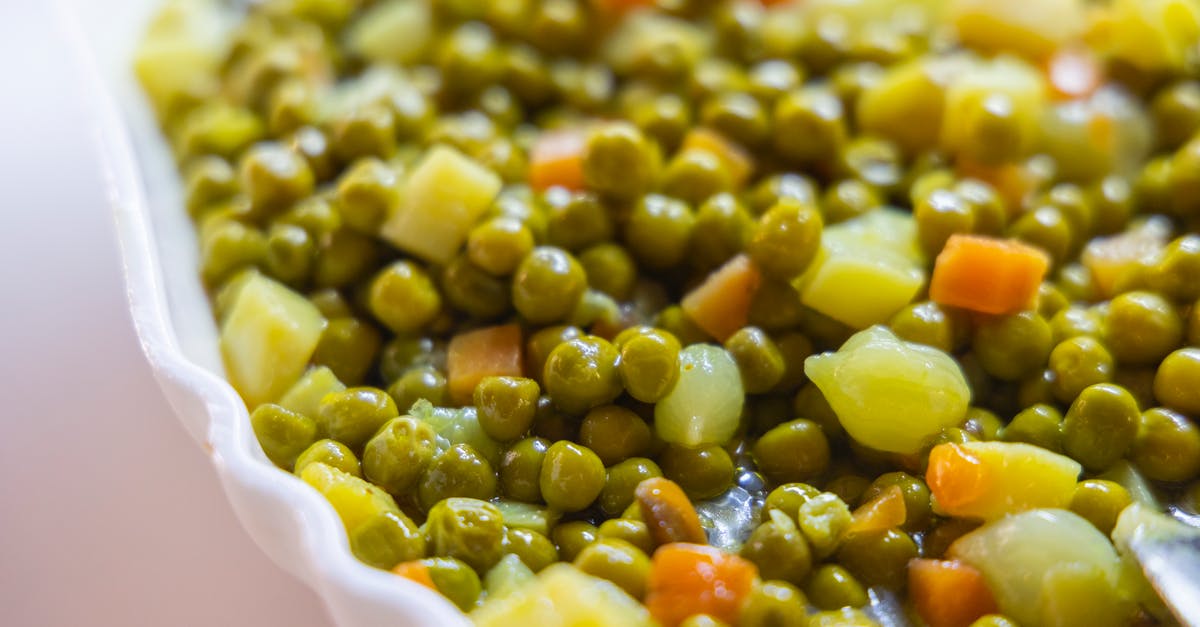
x: 455, y: 580
x: 209, y: 180
x: 917, y: 508
x: 703, y: 620
x: 775, y: 188
x: 722, y: 226
x: 620, y: 162
x: 346, y: 257
x: 352, y: 416
x: 634, y: 532
x: 738, y: 116
x: 521, y: 470
x: 552, y: 423
x: 543, y: 342
x: 367, y: 131
x: 779, y: 549
x: 617, y: 561
x: 1076, y: 320
x: 787, y: 499
x: 283, y: 434
x: 994, y: 620
x: 273, y: 178
x: 658, y: 230
x: 810, y: 404
x: 582, y: 373
x: 572, y: 537
x: 793, y: 451
x: 1141, y: 328
x: 1100, y: 502
x: 575, y: 221
x: 459, y: 471
x: 795, y: 348
x: 534, y: 549
x: 982, y: 424
x: 1039, y: 424
x: 572, y: 476
x: 776, y: 306
x: 774, y: 603
x: 1046, y: 228
x: 331, y: 453
x: 614, y: 433
x: 848, y: 199
x: 610, y: 269
x: 398, y: 454
x: 559, y: 26
x: 1100, y: 426
x: 365, y: 194
x: 228, y: 246
x: 665, y: 118
x: 878, y: 558
x: 386, y: 539
x: 849, y: 487
x: 469, y: 58
x: 809, y: 126
x: 694, y: 176
x: 649, y: 364
x: 498, y: 245
x: 312, y: 144
x: 548, y: 285
x: 1077, y: 363
x: 1175, y: 381
x: 403, y: 298
x: 420, y: 382
x: 474, y: 292
x: 759, y: 360
x: 506, y: 406
x: 622, y: 479
x: 823, y: 519
x: 1050, y: 301
x: 786, y: 239
x: 832, y: 587
x: 930, y: 324
x: 1167, y: 447
x: 218, y: 128
x: 348, y: 347
x: 1010, y: 347
x: 940, y: 214
x: 702, y: 472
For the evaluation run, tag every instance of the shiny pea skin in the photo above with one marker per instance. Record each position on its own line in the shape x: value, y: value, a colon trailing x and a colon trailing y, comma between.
x: 331, y: 453
x: 572, y: 476
x: 283, y: 434
x: 622, y: 479
x: 506, y: 406
x: 649, y: 364
x: 396, y: 456
x: 1100, y: 426
x: 352, y: 416
x: 617, y: 561
x: 458, y: 472
x: 521, y: 468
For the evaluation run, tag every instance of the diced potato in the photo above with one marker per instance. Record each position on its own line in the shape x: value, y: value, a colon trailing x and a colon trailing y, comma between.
x: 564, y: 597
x: 1031, y: 29
x: 907, y: 104
x: 867, y: 269
x: 1112, y: 259
x: 444, y: 196
x: 889, y: 394
x: 1004, y: 83
x: 305, y: 396
x: 507, y: 576
x: 268, y: 338
x: 1028, y: 557
x: 181, y: 52
x: 1069, y: 597
x: 518, y: 515
x: 990, y: 480
x: 355, y: 500
x: 396, y: 32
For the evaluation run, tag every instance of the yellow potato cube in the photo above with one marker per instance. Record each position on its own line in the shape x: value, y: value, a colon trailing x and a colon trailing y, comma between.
x: 355, y: 500
x: 562, y: 596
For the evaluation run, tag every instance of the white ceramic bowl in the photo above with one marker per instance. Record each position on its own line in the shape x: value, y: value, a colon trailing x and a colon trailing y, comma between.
x: 292, y: 523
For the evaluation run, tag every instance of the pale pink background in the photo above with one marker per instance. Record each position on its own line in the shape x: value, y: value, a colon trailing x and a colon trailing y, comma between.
x: 109, y: 514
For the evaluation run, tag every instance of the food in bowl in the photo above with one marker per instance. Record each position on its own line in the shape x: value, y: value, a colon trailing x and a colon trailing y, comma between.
x: 705, y: 312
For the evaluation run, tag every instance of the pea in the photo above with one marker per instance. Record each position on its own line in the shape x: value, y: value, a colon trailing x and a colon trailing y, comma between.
x: 1077, y: 363
x: 506, y: 406
x: 664, y: 118
x: 576, y: 221
x: 702, y: 472
x: 786, y: 239
x: 313, y: 145
x: 367, y: 131
x: 614, y: 433
x: 622, y: 479
x: 1100, y: 426
x: 498, y: 245
x: 1141, y: 328
x: 779, y: 549
x: 1175, y: 381
x: 658, y: 230
x: 474, y: 292
x: 1100, y: 502
x: 619, y: 161
x: 787, y: 499
x: 346, y: 257
x: 582, y: 373
x: 795, y: 348
x: 404, y: 298
x: 228, y: 246
x: 610, y: 269
x: 542, y: 342
x: 1076, y: 320
x: 773, y: 189
x: 572, y: 476
x: 810, y: 404
x: 572, y: 537
x: 774, y: 603
x: 331, y: 453
x: 273, y: 178
x: 649, y: 364
x: 738, y: 116
x: 849, y: 487
x: 552, y: 423
x: 1167, y: 447
x: 1010, y: 347
x: 759, y: 360
x: 823, y: 519
x: 703, y: 620
x: 458, y: 472
x: 848, y: 199
x: 1050, y: 301
x: 775, y: 306
x: 832, y: 587
x: 879, y: 558
x: 982, y: 424
x: 283, y: 434
x: 521, y: 470
x: 455, y: 580
x: 209, y: 180
x: 617, y: 561
x: 694, y: 176
x: 421, y: 382
x: 1044, y: 227
x: 918, y: 512
x: 986, y: 205
x: 940, y: 214
x: 634, y: 532
x: 793, y: 451
x: 365, y: 193
x: 396, y: 456
x: 547, y: 285
x: 930, y: 324
x: 386, y: 539
x: 348, y: 347
x: 1039, y: 424
x: 994, y: 620
x: 534, y: 549
x: 354, y: 415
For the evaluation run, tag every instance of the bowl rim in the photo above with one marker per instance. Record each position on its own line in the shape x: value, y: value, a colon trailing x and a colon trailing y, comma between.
x: 326, y: 564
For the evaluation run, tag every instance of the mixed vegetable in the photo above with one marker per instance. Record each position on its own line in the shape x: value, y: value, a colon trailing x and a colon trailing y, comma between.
x: 711, y: 312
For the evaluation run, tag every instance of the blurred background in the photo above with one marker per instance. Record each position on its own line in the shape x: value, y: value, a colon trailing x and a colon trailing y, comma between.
x: 109, y: 513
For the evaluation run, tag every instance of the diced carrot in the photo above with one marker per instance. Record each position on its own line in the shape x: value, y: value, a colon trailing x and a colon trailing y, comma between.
x: 416, y: 571
x: 688, y: 579
x: 721, y: 304
x: 1073, y: 73
x: 556, y: 159
x: 955, y: 476
x: 1014, y: 182
x: 487, y: 352
x: 885, y: 511
x: 987, y: 274
x: 668, y: 512
x: 948, y: 593
x: 736, y: 160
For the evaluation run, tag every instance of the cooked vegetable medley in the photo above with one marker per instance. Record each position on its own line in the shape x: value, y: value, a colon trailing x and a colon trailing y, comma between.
x: 711, y: 312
